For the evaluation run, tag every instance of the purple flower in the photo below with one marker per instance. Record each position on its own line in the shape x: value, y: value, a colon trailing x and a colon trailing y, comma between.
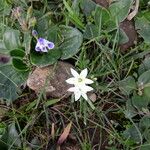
x: 43, y: 45
x: 34, y: 33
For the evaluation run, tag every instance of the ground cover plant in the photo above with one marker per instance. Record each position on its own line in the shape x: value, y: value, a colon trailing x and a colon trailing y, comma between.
x: 74, y: 75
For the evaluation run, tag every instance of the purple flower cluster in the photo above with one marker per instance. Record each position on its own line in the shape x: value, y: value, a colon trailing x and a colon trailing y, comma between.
x: 42, y: 44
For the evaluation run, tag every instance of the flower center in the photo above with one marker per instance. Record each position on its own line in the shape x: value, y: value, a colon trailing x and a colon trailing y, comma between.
x: 80, y: 80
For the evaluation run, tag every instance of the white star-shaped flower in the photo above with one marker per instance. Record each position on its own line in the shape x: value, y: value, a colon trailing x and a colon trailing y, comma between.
x: 79, y: 81
x: 78, y: 92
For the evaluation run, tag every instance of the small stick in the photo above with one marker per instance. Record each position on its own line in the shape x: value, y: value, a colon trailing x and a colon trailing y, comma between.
x: 135, y: 11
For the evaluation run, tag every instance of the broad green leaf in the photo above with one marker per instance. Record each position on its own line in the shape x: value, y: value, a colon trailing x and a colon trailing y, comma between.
x: 120, y: 9
x: 91, y: 31
x: 18, y: 60
x: 42, y: 23
x: 5, y: 8
x: 88, y: 6
x: 72, y: 41
x: 12, y: 39
x: 10, y: 81
x: 132, y: 134
x: 147, y: 91
x: 11, y: 137
x: 53, y: 34
x: 144, y: 79
x: 101, y: 15
x: 45, y: 59
x: 17, y: 53
x: 144, y: 83
x: 19, y: 64
x: 127, y: 85
x: 143, y: 28
x: 146, y: 134
x: 140, y: 102
x: 130, y: 109
x: 145, y: 65
x: 102, y: 20
x: 144, y: 123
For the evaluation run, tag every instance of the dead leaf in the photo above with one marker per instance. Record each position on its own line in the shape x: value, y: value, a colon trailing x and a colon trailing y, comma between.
x: 53, y: 131
x: 65, y: 134
x: 92, y: 97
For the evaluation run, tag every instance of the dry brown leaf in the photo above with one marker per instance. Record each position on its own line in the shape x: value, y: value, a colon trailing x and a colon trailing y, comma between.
x: 65, y: 134
x: 53, y: 131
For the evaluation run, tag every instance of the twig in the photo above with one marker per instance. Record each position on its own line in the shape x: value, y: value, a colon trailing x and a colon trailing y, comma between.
x: 135, y: 11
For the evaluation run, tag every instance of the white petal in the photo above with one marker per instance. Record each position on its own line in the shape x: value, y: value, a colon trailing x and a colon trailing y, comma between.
x: 72, y: 89
x: 88, y: 81
x: 87, y: 88
x: 38, y: 47
x: 44, y: 49
x: 45, y: 42
x: 84, y: 95
x: 70, y: 80
x: 77, y: 95
x: 83, y: 73
x: 74, y: 73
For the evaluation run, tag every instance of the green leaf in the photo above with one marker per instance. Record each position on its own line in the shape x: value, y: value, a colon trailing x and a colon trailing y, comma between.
x: 144, y: 123
x: 145, y: 14
x: 74, y: 17
x: 143, y: 28
x: 132, y: 134
x: 123, y: 38
x: 103, y: 19
x: 27, y: 42
x: 2, y: 129
x: 10, y: 82
x: 72, y: 41
x: 11, y: 137
x: 127, y: 85
x: 120, y: 9
x: 3, y: 49
x: 145, y: 146
x: 145, y: 65
x: 87, y: 6
x: 11, y: 39
x: 5, y: 8
x: 140, y: 102
x: 51, y: 102
x: 130, y: 109
x: 91, y: 31
x: 17, y: 53
x: 53, y: 34
x: 19, y: 64
x: 144, y: 83
x: 146, y: 134
x: 144, y: 79
x: 45, y: 59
